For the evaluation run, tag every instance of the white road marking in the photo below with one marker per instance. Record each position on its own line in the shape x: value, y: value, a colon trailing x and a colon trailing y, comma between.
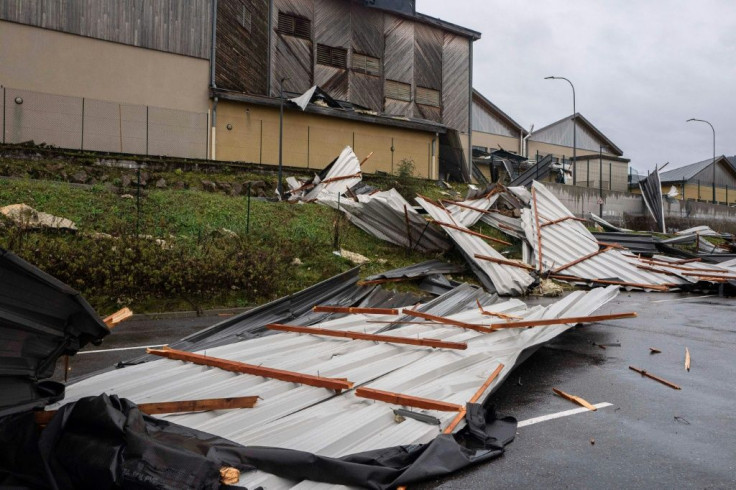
x: 558, y: 415
x: 119, y: 349
x: 682, y: 299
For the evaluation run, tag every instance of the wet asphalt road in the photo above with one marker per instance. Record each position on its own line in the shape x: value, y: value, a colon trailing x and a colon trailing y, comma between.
x: 651, y: 437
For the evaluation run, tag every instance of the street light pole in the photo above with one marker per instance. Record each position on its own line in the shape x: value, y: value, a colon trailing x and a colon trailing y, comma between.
x: 574, y: 128
x: 280, y: 186
x: 600, y: 179
x: 714, y: 153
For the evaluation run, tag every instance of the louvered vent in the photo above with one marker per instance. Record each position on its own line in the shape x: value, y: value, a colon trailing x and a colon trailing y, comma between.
x: 366, y: 64
x: 398, y: 90
x: 427, y: 96
x: 330, y: 56
x: 292, y: 25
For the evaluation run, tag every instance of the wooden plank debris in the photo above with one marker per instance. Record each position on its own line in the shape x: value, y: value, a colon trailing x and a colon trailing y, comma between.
x: 505, y: 316
x: 367, y: 336
x: 687, y: 359
x: 117, y: 317
x: 561, y: 321
x: 580, y: 259
x: 241, y: 367
x: 460, y: 416
x: 574, y: 399
x: 512, y: 263
x: 654, y: 287
x: 448, y: 321
x: 229, y: 475
x: 202, y: 405
x: 355, y: 310
x: 655, y: 378
x: 407, y: 400
x: 652, y: 350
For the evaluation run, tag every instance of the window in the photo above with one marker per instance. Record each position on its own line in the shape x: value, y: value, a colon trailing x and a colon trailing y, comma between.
x: 244, y: 17
x: 327, y: 55
x: 398, y: 90
x: 366, y: 64
x: 427, y: 96
x: 291, y: 25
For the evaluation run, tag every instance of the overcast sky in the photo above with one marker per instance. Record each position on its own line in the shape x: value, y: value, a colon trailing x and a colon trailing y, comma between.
x: 640, y: 68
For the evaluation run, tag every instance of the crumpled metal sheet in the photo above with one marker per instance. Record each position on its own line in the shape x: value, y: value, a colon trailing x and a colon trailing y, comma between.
x: 568, y: 241
x: 422, y: 269
x: 320, y: 421
x: 342, y: 175
x: 651, y: 191
x: 507, y: 280
x: 389, y: 217
x: 468, y: 212
x: 506, y: 224
x: 608, y: 226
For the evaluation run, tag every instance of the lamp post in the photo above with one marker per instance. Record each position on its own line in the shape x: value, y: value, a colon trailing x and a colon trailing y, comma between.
x: 600, y: 179
x: 574, y: 128
x: 714, y: 153
x: 280, y: 187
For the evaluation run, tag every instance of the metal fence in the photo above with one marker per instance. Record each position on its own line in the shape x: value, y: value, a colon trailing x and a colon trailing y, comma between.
x: 89, y: 124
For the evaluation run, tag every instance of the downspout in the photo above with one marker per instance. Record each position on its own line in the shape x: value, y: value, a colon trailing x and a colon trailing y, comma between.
x: 470, y: 111
x: 213, y: 53
x: 525, y: 144
x: 269, y: 74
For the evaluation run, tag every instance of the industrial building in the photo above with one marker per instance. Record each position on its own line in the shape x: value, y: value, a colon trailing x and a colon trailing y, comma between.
x: 599, y: 162
x: 203, y: 78
x: 695, y: 181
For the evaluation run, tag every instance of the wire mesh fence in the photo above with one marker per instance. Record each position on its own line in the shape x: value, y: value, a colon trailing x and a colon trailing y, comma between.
x: 89, y: 124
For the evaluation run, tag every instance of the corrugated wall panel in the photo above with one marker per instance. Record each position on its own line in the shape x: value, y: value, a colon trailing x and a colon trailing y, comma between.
x: 398, y: 61
x: 486, y: 122
x: 291, y: 56
x: 561, y: 134
x: 332, y: 28
x: 455, y: 82
x: 177, y: 26
x: 367, y: 38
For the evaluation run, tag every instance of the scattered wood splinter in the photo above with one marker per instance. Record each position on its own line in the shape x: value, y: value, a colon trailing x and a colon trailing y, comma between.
x: 654, y: 351
x: 575, y: 399
x: 643, y: 372
x: 687, y: 359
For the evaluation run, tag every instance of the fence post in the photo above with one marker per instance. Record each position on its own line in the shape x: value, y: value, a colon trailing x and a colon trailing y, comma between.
x: 4, y: 104
x: 683, y: 188
x: 81, y: 146
x: 147, y: 130
x: 610, y: 176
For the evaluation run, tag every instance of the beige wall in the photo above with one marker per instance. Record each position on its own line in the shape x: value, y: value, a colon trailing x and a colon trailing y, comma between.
x: 492, y: 142
x: 556, y: 150
x: 723, y: 196
x: 41, y: 60
x: 313, y: 141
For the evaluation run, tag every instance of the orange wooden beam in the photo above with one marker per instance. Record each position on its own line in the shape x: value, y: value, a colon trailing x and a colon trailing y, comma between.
x: 117, y: 317
x: 407, y: 400
x: 655, y: 378
x: 581, y: 259
x: 656, y: 287
x: 496, y: 314
x: 473, y: 399
x: 448, y: 321
x: 560, y: 220
x: 355, y: 310
x: 470, y: 232
x: 504, y: 262
x: 44, y: 417
x: 562, y: 321
x: 367, y: 336
x: 241, y: 367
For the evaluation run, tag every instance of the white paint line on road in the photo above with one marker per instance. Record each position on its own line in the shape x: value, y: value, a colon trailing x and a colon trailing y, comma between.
x: 682, y: 299
x: 119, y: 349
x: 558, y: 415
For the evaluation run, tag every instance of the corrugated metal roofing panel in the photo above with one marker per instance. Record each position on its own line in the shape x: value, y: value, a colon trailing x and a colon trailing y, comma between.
x: 317, y: 420
x: 505, y: 279
x: 568, y: 241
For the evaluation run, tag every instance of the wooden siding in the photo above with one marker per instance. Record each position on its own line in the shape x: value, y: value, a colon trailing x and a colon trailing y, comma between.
x: 332, y: 28
x: 455, y: 81
x: 428, y: 67
x: 292, y: 57
x: 366, y: 38
x: 242, y: 54
x: 175, y: 26
x: 398, y: 62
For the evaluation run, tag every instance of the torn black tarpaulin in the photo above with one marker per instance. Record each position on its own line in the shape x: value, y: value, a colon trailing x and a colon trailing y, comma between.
x: 105, y: 442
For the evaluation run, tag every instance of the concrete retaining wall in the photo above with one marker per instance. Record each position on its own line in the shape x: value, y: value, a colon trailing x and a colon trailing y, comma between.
x: 628, y: 210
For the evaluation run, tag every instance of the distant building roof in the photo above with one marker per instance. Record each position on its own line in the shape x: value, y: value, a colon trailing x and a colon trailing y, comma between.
x: 490, y: 106
x: 687, y: 172
x: 583, y: 123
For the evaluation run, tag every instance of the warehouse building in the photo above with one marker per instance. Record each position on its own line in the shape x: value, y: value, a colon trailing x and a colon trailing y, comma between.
x: 203, y: 79
x: 695, y: 181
